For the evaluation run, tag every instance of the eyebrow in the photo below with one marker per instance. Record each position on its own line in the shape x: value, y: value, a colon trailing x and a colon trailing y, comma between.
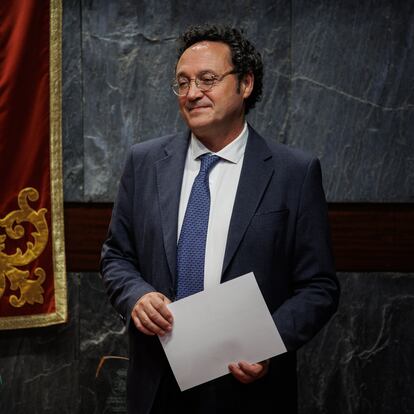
x: 203, y: 72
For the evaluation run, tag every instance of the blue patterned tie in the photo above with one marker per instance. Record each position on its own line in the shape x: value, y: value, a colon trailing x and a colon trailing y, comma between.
x: 192, y: 243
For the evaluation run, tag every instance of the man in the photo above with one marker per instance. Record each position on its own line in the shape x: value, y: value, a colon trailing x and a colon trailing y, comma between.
x: 260, y: 207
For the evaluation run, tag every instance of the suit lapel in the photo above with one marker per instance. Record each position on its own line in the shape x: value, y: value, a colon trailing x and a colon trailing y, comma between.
x: 254, y: 178
x: 170, y: 171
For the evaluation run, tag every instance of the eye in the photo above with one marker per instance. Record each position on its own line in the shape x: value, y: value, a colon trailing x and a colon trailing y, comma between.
x: 182, y: 82
x: 208, y: 79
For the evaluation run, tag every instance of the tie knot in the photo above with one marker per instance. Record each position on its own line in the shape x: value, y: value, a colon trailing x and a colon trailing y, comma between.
x: 207, y: 162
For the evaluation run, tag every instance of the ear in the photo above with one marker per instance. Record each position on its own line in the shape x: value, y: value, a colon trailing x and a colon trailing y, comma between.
x: 246, y: 85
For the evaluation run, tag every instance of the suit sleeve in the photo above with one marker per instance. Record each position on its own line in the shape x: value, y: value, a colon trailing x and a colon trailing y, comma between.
x: 314, y: 284
x: 120, y: 269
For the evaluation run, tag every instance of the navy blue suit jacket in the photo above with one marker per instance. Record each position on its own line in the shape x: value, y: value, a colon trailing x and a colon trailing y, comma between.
x: 279, y: 230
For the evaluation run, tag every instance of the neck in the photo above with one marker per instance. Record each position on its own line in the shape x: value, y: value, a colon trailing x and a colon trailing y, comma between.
x: 216, y: 141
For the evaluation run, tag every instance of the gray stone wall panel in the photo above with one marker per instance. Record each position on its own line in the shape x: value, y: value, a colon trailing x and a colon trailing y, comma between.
x: 102, y: 334
x: 353, y: 94
x: 39, y: 367
x: 72, y: 115
x: 129, y: 52
x: 361, y: 362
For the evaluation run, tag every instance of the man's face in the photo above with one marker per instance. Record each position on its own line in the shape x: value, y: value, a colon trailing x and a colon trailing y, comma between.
x: 220, y: 109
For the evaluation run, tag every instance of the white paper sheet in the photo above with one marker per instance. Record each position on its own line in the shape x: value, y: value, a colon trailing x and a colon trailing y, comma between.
x: 218, y: 326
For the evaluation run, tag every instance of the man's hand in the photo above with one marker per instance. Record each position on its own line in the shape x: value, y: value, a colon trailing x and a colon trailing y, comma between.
x: 151, y: 315
x: 247, y: 373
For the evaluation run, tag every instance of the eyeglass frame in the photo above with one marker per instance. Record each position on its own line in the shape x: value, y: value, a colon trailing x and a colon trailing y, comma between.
x: 197, y: 80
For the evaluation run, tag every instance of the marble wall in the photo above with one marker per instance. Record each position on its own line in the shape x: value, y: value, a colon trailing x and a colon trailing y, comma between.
x: 362, y: 361
x: 353, y: 96
x: 338, y: 83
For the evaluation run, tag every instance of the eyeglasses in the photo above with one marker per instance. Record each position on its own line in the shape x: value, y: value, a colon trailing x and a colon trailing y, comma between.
x: 204, y: 82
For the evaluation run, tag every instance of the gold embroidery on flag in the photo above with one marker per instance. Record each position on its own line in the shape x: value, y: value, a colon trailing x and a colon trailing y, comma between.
x: 31, y: 290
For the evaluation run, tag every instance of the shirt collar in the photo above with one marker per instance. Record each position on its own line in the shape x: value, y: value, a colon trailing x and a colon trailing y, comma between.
x: 232, y: 152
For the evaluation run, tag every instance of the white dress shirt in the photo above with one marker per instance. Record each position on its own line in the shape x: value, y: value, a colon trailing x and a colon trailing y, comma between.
x: 223, y: 181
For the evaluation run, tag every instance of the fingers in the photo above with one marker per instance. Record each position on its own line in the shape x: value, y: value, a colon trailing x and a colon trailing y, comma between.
x: 151, y: 315
x: 247, y: 373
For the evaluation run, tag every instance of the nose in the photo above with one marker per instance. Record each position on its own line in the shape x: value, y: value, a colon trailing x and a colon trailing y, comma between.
x: 193, y: 91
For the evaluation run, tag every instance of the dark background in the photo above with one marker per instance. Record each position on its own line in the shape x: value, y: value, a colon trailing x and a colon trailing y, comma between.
x: 338, y: 83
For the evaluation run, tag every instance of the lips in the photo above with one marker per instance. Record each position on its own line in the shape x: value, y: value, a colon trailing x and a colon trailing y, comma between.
x: 195, y: 108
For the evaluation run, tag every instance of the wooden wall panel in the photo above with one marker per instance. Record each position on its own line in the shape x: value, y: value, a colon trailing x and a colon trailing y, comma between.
x: 373, y: 237
x: 365, y: 237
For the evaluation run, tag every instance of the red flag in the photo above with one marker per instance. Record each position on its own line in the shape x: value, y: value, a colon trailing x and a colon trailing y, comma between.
x: 32, y: 262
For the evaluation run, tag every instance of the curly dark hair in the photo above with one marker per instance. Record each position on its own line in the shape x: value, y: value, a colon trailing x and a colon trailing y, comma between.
x: 245, y: 58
